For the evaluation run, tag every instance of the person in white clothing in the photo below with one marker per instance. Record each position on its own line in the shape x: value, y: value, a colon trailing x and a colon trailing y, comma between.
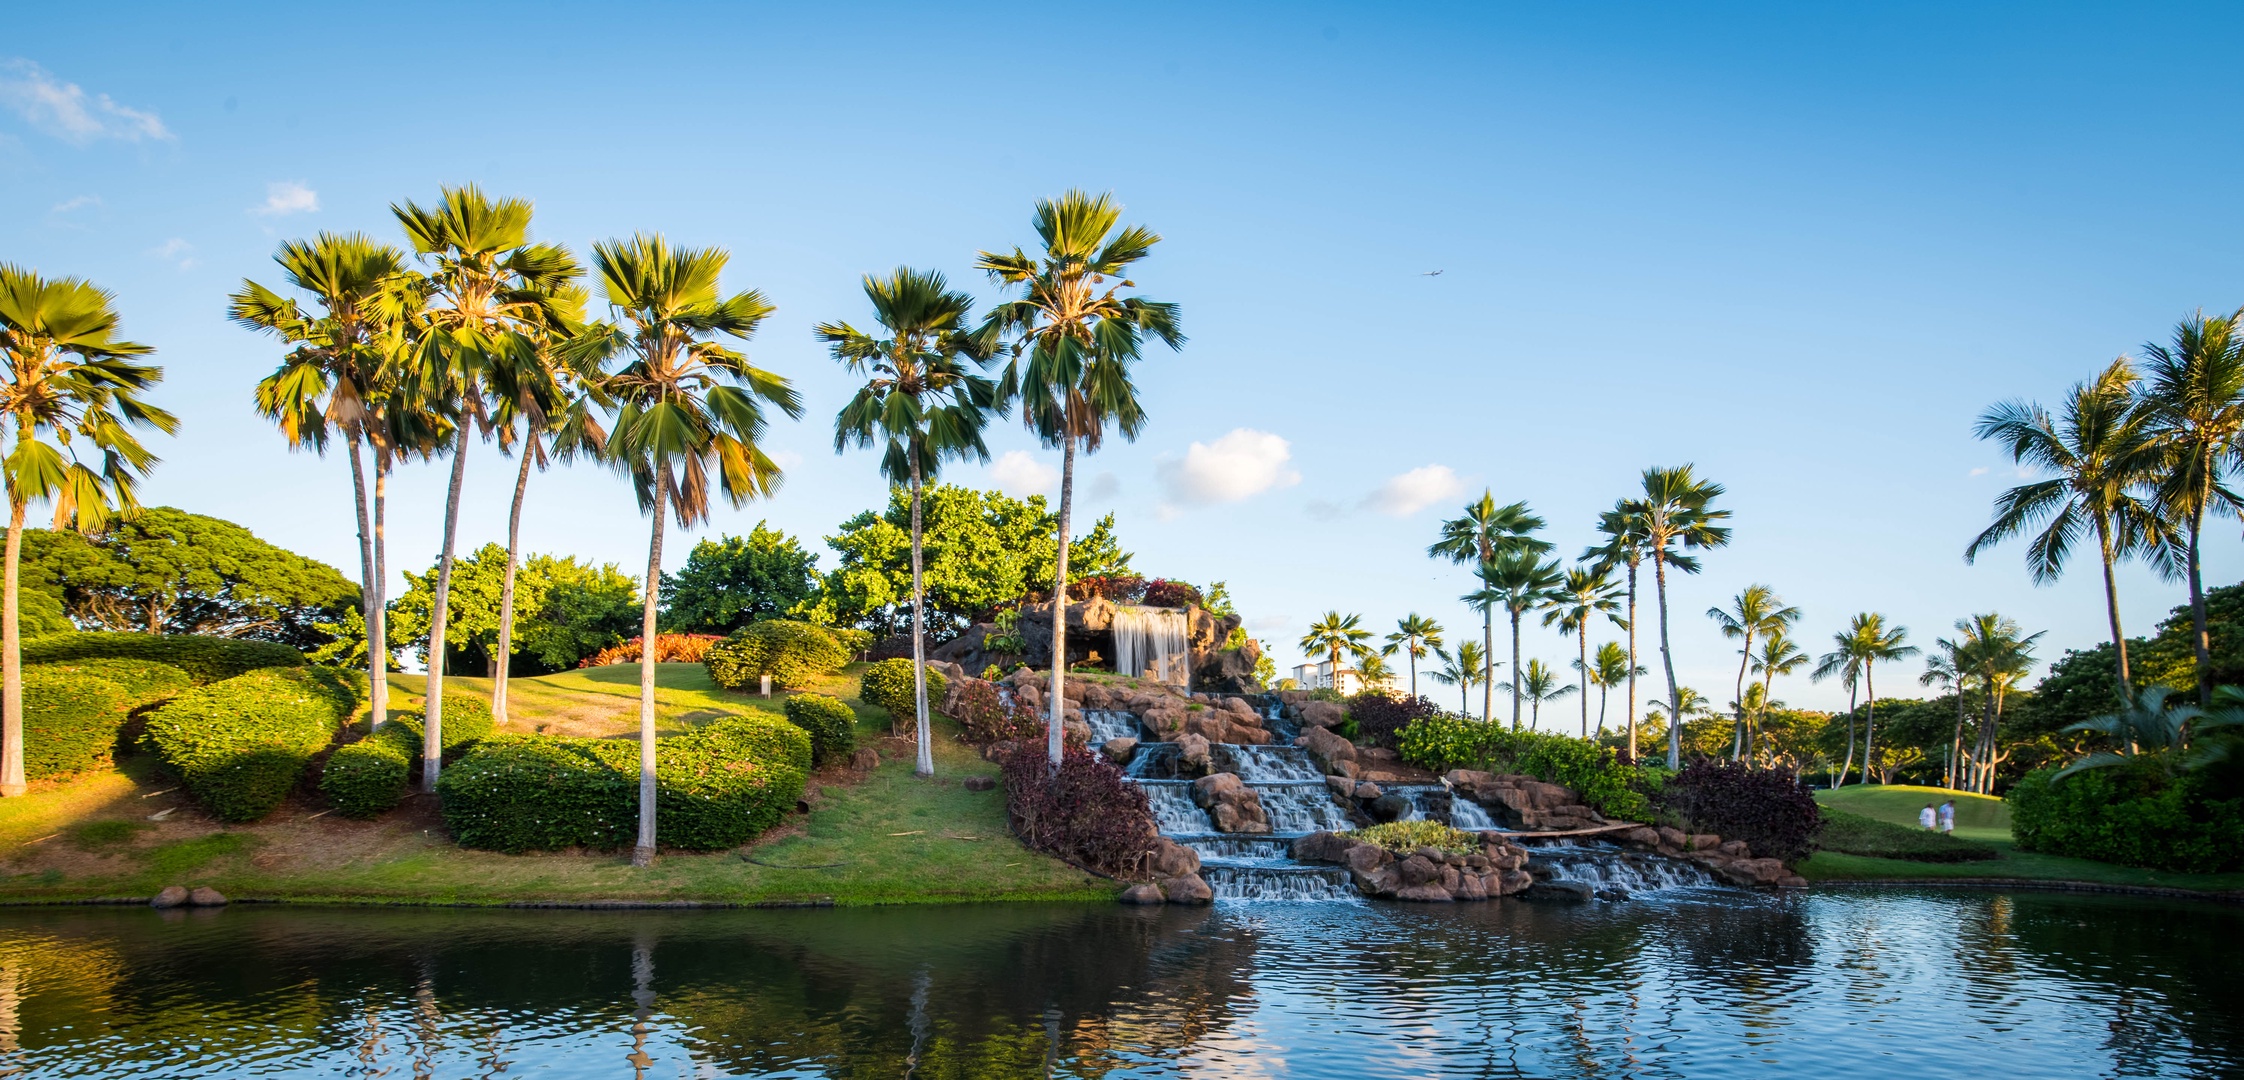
x: 1927, y: 818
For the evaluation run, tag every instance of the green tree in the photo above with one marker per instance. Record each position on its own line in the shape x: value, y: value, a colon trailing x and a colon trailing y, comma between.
x: 1462, y: 669
x: 1414, y: 636
x: 686, y: 406
x: 1538, y: 684
x: 2195, y: 401
x: 337, y: 378
x: 1949, y: 665
x: 1372, y: 669
x: 1335, y: 634
x: 1587, y: 593
x: 1474, y: 538
x: 72, y: 391
x: 1519, y: 582
x: 1756, y: 612
x: 922, y: 405
x: 1609, y: 668
x: 1677, y: 510
x: 2000, y: 655
x: 1623, y: 529
x: 732, y: 581
x: 1073, y: 347
x: 2101, y: 452
x: 567, y: 611
x: 1778, y: 656
x: 1866, y: 641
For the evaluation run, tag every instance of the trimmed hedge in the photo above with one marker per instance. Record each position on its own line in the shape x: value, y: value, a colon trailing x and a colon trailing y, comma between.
x: 204, y: 659
x: 831, y: 724
x: 888, y: 684
x: 145, y: 682
x: 240, y: 745
x: 2131, y: 814
x: 715, y: 787
x: 1854, y: 834
x: 1596, y: 773
x: 369, y: 777
x: 792, y: 653
x: 70, y: 721
x: 467, y: 721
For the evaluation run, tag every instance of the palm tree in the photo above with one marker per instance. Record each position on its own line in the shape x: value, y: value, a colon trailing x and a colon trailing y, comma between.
x: 1372, y: 669
x: 1335, y: 634
x: 2196, y: 404
x: 487, y: 284
x: 1587, y: 593
x: 921, y: 405
x: 2101, y: 453
x: 1693, y: 704
x: 1677, y: 509
x: 1538, y: 683
x: 685, y: 406
x: 1463, y: 670
x: 2001, y: 656
x: 1415, y: 635
x: 1623, y: 528
x: 1755, y: 612
x: 1866, y: 641
x: 1609, y: 668
x: 1778, y: 656
x: 2150, y: 727
x: 1079, y: 342
x: 1520, y: 582
x: 72, y: 392
x: 1484, y: 531
x: 1949, y: 665
x: 336, y: 379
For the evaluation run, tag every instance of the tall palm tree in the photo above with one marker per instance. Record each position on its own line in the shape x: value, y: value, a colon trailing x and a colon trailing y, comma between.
x: 1538, y: 683
x: 1475, y: 538
x: 1609, y: 668
x: 1753, y: 613
x: 1623, y: 529
x: 1335, y: 634
x: 486, y: 284
x: 1677, y: 511
x: 686, y: 406
x: 2100, y: 450
x: 336, y: 381
x: 1414, y: 636
x: 1462, y: 669
x: 1778, y: 656
x: 1073, y: 345
x: 1587, y: 592
x: 921, y: 405
x: 1866, y: 641
x: 2000, y: 656
x: 1372, y: 669
x: 2196, y: 404
x: 69, y: 398
x: 1519, y: 582
x: 1949, y: 665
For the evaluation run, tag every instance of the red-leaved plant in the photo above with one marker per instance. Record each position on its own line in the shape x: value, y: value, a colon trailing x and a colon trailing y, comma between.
x: 1087, y: 813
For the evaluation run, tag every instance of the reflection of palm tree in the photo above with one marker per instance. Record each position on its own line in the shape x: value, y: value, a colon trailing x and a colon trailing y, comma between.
x: 1415, y: 635
x: 1476, y: 538
x: 1586, y: 594
x: 1462, y: 669
x: 1538, y: 685
x: 1752, y: 613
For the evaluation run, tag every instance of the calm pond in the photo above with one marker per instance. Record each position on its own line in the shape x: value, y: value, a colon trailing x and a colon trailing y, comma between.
x: 1704, y: 983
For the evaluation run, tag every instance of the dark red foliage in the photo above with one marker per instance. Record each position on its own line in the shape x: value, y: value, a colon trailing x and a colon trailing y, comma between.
x: 1769, y: 809
x: 988, y: 717
x: 1380, y: 717
x: 1119, y: 588
x: 1161, y: 592
x: 1087, y: 814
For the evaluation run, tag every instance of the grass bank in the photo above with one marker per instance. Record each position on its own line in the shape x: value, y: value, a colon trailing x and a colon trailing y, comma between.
x: 865, y: 838
x: 1986, y: 819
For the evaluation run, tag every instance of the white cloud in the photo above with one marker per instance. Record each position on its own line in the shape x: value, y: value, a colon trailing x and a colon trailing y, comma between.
x: 176, y: 251
x: 1240, y: 465
x: 1018, y: 473
x: 79, y: 203
x: 1408, y: 493
x: 67, y: 112
x: 287, y: 197
x: 1980, y: 471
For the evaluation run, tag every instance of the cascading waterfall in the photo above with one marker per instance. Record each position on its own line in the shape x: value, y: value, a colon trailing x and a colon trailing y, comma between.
x: 1261, y: 764
x: 1150, y: 642
x: 1107, y: 724
x: 1614, y: 872
x: 1174, y: 812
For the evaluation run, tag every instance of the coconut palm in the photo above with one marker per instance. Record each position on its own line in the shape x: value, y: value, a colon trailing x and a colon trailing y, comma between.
x: 1372, y: 669
x: 1587, y: 593
x: 1623, y: 529
x: 1677, y: 510
x: 1693, y: 704
x: 1484, y: 531
x: 1866, y: 641
x: 1519, y: 582
x: 1537, y: 683
x: 1414, y: 636
x: 1073, y: 346
x: 336, y: 380
x: 486, y: 285
x: 1948, y: 665
x: 1462, y: 669
x: 2000, y: 656
x: 1608, y: 668
x: 922, y: 405
x: 2101, y: 454
x: 69, y: 398
x: 685, y: 406
x: 2195, y: 401
x: 1335, y: 634
x: 1753, y: 613
x: 1778, y: 656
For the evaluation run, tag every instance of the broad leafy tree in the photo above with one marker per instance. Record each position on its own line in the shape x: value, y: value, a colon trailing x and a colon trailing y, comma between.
x: 1754, y: 613
x: 166, y: 571
x: 1675, y: 513
x: 732, y: 581
x: 1474, y: 538
x: 564, y: 611
x: 1414, y: 636
x: 1585, y: 596
x: 2195, y: 399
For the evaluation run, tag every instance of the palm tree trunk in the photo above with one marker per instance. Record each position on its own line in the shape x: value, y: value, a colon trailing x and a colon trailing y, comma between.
x: 1848, y: 765
x: 1583, y: 658
x: 1413, y: 669
x: 1956, y: 744
x: 1601, y: 691
x: 2111, y: 606
x: 1870, y: 718
x: 432, y: 739
x: 644, y: 853
x: 1753, y: 735
x: 1737, y: 731
x: 925, y: 766
x: 1667, y: 659
x: 378, y: 631
x: 1488, y: 664
x: 1054, y: 733
x: 2199, y: 637
x: 1631, y: 754
x: 369, y: 594
x: 11, y: 661
x: 1517, y: 679
x: 505, y: 652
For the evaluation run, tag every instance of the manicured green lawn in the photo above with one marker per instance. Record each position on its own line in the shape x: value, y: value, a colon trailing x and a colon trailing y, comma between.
x: 886, y: 837
x: 1978, y: 817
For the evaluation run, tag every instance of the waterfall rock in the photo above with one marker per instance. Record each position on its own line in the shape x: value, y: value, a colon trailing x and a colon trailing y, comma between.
x: 1672, y: 838
x: 1428, y: 874
x: 1234, y: 806
x: 1570, y: 891
x: 1341, y: 786
x: 1389, y: 807
x: 1326, y: 747
x: 1322, y: 714
x: 1368, y: 791
x: 1419, y: 870
x: 172, y: 896
x: 1188, y: 889
x: 1193, y: 756
x: 1736, y: 849
x: 1172, y: 860
x: 1143, y: 894
x: 1119, y: 750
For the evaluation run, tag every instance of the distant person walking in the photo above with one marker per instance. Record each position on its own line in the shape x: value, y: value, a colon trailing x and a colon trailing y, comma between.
x: 1928, y: 818
x: 1948, y: 816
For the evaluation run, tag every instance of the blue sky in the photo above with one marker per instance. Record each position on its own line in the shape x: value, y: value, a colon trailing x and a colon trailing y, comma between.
x: 1799, y: 246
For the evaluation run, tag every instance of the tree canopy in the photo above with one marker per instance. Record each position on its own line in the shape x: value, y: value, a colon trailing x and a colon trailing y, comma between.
x: 564, y: 610
x: 736, y: 580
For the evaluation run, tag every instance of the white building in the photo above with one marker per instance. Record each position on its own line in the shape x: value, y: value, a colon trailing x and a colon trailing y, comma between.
x: 1320, y: 676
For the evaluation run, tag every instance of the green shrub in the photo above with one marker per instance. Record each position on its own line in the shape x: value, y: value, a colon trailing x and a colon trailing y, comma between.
x: 1854, y: 834
x: 2131, y: 814
x: 204, y: 659
x: 1404, y: 837
x: 145, y: 682
x: 369, y: 777
x: 70, y: 721
x: 888, y: 684
x: 240, y: 745
x: 716, y: 787
x: 467, y: 721
x: 792, y: 653
x: 831, y: 724
x: 1596, y: 773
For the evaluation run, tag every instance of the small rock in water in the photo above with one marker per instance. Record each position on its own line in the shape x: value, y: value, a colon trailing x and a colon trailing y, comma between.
x: 1119, y: 750
x: 1189, y: 889
x: 1368, y: 791
x: 205, y: 896
x: 1612, y: 892
x: 172, y: 896
x: 980, y: 783
x: 1143, y: 894
x: 1571, y: 891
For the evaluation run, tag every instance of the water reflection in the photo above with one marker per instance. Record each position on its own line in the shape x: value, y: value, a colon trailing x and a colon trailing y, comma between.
x: 1697, y: 985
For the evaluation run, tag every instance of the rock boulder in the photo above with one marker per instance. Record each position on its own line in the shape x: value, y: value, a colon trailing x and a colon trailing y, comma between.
x: 1231, y: 803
